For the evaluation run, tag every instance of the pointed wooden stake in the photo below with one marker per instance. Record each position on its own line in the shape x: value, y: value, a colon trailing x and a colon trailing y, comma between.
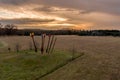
x: 52, y: 49
x: 51, y: 42
x: 32, y: 36
x: 48, y: 44
x: 43, y: 43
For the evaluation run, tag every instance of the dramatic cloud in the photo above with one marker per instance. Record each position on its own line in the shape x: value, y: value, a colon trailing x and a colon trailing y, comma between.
x: 110, y: 6
x: 58, y: 14
x: 26, y: 21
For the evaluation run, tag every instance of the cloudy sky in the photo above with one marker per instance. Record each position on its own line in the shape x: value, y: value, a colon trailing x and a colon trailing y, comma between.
x: 61, y: 14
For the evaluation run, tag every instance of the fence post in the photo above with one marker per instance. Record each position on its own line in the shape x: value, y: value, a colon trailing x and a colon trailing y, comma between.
x: 32, y: 36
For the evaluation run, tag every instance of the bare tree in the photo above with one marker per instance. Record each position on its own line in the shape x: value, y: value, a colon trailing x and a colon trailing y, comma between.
x: 10, y: 29
x: 1, y: 25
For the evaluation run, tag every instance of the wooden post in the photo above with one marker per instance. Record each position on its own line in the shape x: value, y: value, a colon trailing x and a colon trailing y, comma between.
x: 48, y: 45
x: 51, y: 42
x: 32, y: 36
x: 43, y: 42
x: 52, y: 49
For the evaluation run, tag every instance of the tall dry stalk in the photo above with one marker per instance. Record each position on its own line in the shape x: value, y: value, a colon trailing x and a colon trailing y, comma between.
x: 73, y: 50
x: 17, y: 47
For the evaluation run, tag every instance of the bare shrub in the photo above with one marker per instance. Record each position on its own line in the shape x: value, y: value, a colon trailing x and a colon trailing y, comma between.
x: 73, y: 51
x: 17, y: 47
x: 9, y: 49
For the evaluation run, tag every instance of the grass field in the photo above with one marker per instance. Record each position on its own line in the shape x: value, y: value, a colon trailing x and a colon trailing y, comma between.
x: 101, y: 60
x: 28, y: 65
x: 1, y: 44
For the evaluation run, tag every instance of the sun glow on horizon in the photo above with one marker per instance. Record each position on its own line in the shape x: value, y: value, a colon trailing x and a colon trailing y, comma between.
x: 39, y: 14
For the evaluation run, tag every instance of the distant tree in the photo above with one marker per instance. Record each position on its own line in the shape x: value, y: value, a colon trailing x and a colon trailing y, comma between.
x: 1, y: 29
x: 10, y: 29
x: 1, y: 25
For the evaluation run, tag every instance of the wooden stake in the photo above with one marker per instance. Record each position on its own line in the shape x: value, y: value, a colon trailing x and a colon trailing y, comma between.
x: 48, y: 45
x: 43, y: 42
x: 51, y: 42
x: 52, y: 49
x: 32, y: 36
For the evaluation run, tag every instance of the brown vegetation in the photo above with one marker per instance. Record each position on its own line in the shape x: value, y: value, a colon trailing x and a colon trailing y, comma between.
x: 100, y: 62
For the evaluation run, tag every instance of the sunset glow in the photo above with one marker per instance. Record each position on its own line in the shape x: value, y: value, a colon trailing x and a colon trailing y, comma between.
x: 59, y: 14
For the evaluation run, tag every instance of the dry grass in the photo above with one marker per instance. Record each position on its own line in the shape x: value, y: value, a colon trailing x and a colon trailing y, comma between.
x: 101, y: 60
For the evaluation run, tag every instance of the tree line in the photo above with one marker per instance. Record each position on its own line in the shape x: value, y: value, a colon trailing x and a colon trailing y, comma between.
x: 11, y: 29
x: 8, y: 29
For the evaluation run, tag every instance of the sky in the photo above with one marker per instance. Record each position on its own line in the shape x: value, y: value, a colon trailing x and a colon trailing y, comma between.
x: 61, y: 14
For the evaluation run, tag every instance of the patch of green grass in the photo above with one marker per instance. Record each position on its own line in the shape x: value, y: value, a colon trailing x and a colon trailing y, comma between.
x: 28, y: 65
x: 1, y: 44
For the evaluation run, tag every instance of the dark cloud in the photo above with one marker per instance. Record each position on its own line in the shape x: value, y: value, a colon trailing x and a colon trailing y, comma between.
x: 85, y: 12
x: 26, y: 21
x: 44, y: 9
x: 51, y: 9
x: 107, y: 6
x: 14, y: 2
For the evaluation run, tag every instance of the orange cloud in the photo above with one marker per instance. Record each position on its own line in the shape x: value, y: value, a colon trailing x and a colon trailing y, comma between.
x: 84, y: 26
